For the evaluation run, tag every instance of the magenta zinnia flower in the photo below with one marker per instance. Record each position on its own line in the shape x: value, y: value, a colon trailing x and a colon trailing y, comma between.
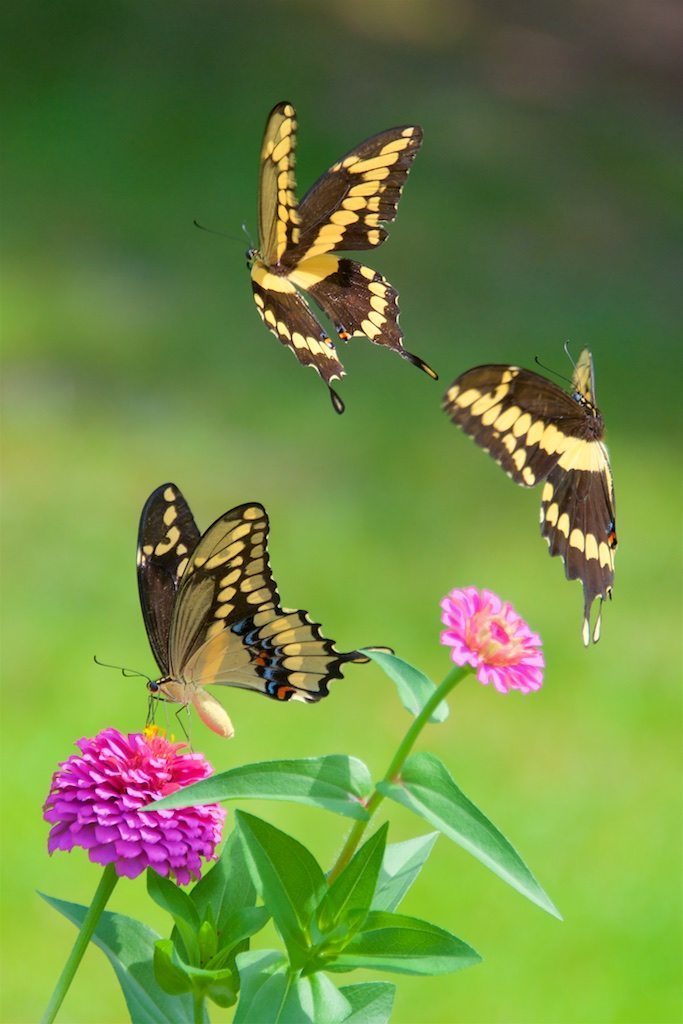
x: 488, y: 634
x: 95, y: 800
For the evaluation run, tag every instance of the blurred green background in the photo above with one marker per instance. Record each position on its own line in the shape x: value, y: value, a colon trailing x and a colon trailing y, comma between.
x: 541, y: 208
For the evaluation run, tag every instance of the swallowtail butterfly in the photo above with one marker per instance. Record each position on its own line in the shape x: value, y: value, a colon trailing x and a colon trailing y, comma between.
x: 213, y: 616
x: 341, y: 212
x: 539, y: 433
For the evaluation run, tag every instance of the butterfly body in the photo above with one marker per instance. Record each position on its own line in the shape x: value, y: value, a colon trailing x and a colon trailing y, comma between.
x: 298, y: 243
x: 539, y: 433
x: 213, y: 616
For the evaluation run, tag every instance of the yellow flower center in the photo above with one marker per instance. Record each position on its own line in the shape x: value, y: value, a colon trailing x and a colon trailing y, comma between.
x: 493, y: 638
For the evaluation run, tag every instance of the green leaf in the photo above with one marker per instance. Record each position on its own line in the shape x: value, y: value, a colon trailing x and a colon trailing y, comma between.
x: 227, y: 887
x: 401, y: 865
x: 314, y: 1000
x: 350, y: 895
x: 176, y: 976
x: 414, y: 687
x: 336, y: 783
x: 238, y: 928
x: 404, y: 945
x: 129, y: 947
x: 183, y: 911
x: 371, y: 1002
x: 169, y: 975
x: 264, y: 982
x: 288, y: 878
x: 208, y: 942
x: 427, y: 788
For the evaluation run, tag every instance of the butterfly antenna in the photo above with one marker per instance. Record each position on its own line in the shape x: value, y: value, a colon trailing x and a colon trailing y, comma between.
x: 555, y: 373
x: 568, y: 353
x: 247, y: 233
x: 212, y: 231
x: 127, y: 672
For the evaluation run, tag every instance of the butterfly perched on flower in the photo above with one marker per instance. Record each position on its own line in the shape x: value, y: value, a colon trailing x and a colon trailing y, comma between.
x: 539, y: 433
x: 213, y: 616
x: 341, y: 212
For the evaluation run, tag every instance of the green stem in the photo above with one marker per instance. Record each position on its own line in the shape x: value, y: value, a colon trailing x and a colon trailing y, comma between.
x: 104, y: 891
x: 198, y: 1008
x: 356, y: 834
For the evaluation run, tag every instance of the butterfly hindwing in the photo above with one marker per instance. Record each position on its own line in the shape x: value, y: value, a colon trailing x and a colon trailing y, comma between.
x: 539, y: 433
x: 287, y: 316
x: 358, y: 301
x: 577, y: 520
x: 167, y: 536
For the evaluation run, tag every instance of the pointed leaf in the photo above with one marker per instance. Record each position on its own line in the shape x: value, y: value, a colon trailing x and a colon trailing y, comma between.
x: 238, y: 928
x: 336, y: 783
x: 401, y: 865
x: 414, y: 687
x: 208, y: 941
x: 351, y: 893
x: 263, y: 976
x: 227, y: 887
x: 428, y: 789
x: 178, y: 904
x: 129, y: 947
x: 169, y: 975
x: 314, y: 999
x: 371, y: 1002
x: 404, y: 945
x: 288, y: 878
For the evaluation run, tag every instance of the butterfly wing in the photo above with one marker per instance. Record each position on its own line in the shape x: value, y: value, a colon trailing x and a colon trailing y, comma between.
x: 287, y: 316
x: 277, y: 208
x: 537, y: 432
x: 344, y: 209
x: 358, y: 301
x: 514, y: 415
x: 578, y: 522
x: 229, y: 629
x: 166, y: 537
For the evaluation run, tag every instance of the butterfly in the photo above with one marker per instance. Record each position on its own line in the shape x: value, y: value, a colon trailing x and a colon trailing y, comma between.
x: 341, y: 212
x: 538, y: 432
x: 213, y: 616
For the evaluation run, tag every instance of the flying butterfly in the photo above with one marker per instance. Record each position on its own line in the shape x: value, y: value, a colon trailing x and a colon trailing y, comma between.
x: 213, y: 616
x: 538, y: 432
x: 341, y: 212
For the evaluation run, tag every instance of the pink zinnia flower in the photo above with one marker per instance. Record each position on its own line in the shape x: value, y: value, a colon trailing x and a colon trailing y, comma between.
x: 489, y: 635
x: 95, y: 800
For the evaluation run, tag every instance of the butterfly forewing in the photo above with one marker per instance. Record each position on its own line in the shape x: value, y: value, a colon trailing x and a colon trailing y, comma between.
x: 167, y: 536
x: 278, y: 215
x: 539, y: 433
x: 344, y: 209
x: 228, y: 577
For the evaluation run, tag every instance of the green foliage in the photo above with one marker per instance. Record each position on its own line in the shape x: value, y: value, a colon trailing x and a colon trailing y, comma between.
x: 335, y: 783
x: 129, y: 947
x: 348, y: 899
x: 404, y: 945
x: 401, y: 865
x: 288, y: 879
x: 427, y: 788
x: 414, y: 687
